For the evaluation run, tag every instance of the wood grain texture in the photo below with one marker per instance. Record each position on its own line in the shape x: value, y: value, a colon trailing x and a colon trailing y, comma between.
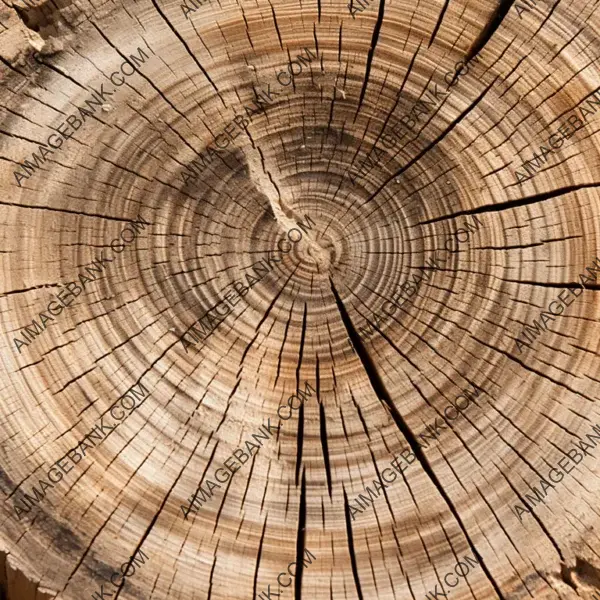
x: 438, y: 159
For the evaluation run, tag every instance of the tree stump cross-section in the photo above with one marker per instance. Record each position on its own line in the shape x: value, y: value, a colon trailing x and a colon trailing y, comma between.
x: 298, y: 300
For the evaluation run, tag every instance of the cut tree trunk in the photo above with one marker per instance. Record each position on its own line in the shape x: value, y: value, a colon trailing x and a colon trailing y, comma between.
x: 298, y: 300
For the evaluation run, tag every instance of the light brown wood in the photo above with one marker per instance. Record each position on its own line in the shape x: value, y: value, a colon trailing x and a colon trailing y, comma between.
x: 414, y: 195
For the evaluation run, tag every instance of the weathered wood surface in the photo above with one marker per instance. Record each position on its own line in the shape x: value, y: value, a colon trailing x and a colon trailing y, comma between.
x: 383, y: 146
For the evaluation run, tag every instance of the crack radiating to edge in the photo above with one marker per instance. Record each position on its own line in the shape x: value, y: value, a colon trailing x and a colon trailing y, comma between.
x: 383, y: 395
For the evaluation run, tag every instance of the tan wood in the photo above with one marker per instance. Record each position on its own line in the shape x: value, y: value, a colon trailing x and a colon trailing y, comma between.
x: 407, y: 128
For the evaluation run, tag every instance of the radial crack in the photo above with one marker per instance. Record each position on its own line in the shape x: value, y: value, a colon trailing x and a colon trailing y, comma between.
x: 379, y: 389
